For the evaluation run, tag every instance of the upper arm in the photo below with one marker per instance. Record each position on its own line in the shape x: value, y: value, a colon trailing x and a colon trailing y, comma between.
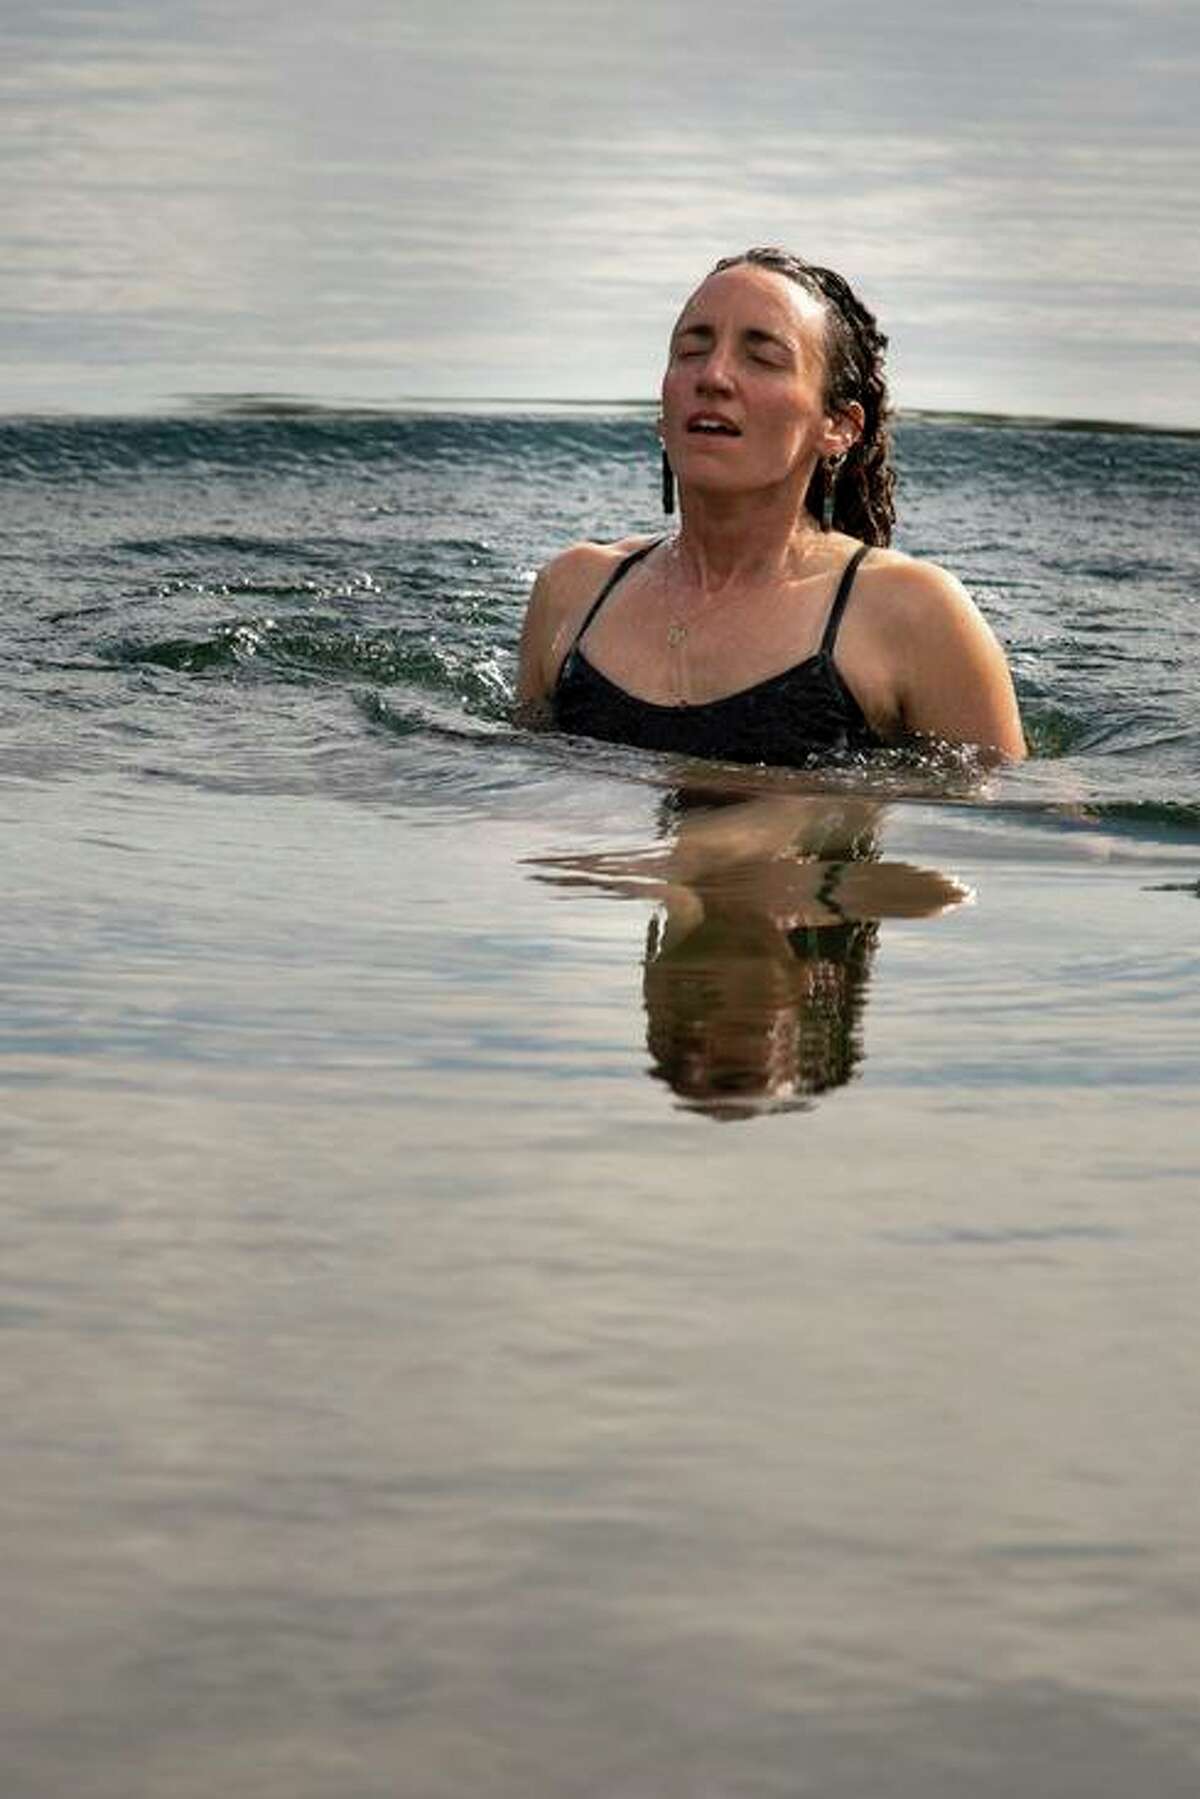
x: 955, y: 683
x: 557, y: 603
x: 557, y: 606
x: 545, y: 636
x: 537, y: 633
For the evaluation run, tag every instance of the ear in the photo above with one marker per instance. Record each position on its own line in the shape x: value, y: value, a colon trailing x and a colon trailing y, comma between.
x: 843, y: 429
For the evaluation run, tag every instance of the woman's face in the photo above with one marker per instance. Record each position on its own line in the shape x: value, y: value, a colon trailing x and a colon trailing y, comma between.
x: 743, y: 403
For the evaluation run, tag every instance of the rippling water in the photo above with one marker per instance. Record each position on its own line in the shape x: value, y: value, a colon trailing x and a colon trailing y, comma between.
x: 507, y: 1288
x: 372, y: 569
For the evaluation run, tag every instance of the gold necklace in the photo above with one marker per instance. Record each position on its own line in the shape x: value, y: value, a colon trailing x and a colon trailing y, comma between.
x: 678, y: 627
x: 677, y: 634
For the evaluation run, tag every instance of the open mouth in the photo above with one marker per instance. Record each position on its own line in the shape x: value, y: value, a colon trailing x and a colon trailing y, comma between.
x: 707, y: 424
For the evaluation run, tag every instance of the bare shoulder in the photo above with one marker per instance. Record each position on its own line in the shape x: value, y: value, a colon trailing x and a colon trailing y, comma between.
x: 921, y: 605
x: 572, y: 576
x: 947, y: 673
x: 918, y: 592
x: 565, y: 587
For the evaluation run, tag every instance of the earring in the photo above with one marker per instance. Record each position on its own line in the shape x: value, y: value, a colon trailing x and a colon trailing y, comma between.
x: 831, y: 468
x: 668, y: 485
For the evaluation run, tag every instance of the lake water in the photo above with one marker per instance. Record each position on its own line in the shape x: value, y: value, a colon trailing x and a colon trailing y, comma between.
x: 506, y: 1290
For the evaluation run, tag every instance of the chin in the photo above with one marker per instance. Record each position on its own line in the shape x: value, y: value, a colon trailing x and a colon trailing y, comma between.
x: 713, y: 483
x: 701, y: 466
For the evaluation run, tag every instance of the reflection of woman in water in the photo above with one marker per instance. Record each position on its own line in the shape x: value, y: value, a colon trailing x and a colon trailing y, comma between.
x: 758, y: 961
x: 743, y: 1016
x: 755, y: 978
x: 776, y: 626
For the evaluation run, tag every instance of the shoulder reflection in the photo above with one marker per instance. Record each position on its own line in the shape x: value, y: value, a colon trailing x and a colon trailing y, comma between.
x: 760, y: 951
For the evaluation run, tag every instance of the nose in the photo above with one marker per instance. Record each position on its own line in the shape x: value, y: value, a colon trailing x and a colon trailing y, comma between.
x: 715, y: 376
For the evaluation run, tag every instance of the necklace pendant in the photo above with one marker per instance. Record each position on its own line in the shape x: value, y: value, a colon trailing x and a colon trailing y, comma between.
x: 676, y: 635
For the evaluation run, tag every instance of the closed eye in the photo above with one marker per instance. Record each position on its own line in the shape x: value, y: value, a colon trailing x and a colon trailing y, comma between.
x: 771, y: 350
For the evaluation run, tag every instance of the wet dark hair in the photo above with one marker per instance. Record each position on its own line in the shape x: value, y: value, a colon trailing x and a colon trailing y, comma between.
x: 735, y: 1048
x: 863, y: 501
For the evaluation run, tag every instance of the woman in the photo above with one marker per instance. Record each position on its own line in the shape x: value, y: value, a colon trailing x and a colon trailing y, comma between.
x: 776, y: 626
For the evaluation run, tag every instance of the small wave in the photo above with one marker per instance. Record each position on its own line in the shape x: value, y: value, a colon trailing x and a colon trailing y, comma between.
x: 322, y: 552
x: 304, y: 588
x: 311, y: 443
x: 1020, y: 421
x: 414, y: 712
x: 1051, y: 732
x: 321, y: 648
x: 326, y: 649
x: 206, y: 543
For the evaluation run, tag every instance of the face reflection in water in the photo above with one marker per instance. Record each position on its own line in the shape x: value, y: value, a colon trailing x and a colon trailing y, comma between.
x: 759, y: 956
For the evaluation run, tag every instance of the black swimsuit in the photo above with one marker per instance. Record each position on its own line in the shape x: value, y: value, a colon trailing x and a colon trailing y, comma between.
x: 806, y: 714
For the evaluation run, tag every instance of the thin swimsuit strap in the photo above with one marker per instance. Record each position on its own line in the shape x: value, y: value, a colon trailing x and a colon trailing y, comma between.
x: 839, y: 601
x: 622, y: 568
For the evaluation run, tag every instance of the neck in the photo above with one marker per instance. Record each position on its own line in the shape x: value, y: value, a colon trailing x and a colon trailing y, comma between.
x: 727, y: 540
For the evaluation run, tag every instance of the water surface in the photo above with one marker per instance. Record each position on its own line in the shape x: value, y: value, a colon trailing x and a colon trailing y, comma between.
x: 473, y: 1321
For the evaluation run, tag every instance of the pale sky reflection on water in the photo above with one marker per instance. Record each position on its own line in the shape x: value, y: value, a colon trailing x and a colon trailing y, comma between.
x: 379, y: 201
